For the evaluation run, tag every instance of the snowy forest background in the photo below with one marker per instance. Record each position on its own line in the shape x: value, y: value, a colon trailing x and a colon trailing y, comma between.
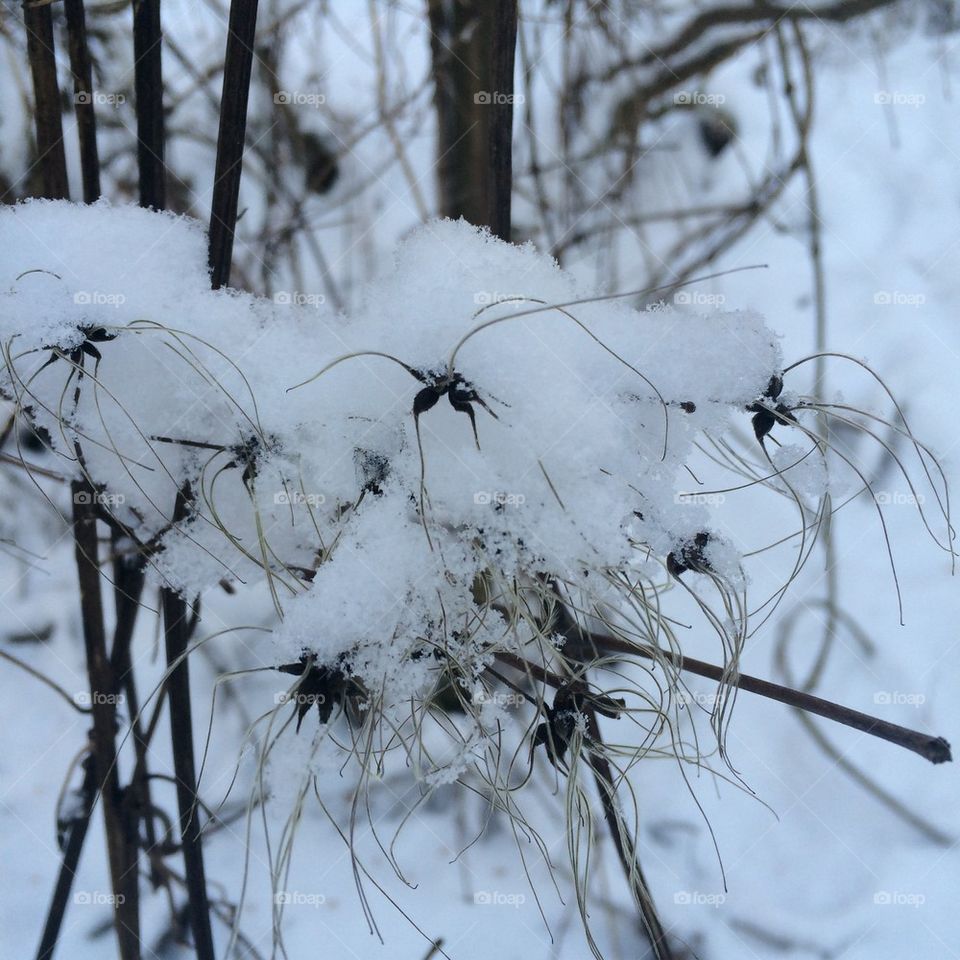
x: 381, y: 579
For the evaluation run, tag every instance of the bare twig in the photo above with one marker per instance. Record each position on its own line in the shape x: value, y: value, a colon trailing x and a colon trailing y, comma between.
x: 68, y: 866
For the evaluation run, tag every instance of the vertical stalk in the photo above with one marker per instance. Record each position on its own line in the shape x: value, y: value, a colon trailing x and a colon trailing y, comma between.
x: 121, y: 832
x: 500, y: 144
x: 82, y: 70
x: 128, y: 579
x: 51, y: 159
x: 148, y: 86
x: 473, y: 45
x: 176, y: 632
x: 86, y: 125
x: 626, y: 850
x: 584, y: 648
x: 241, y: 35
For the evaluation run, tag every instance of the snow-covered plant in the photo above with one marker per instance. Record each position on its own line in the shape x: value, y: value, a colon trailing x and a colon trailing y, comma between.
x: 469, y: 502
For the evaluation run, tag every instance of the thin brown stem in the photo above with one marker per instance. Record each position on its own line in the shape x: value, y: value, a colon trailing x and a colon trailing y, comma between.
x: 122, y: 842
x: 51, y: 158
x: 72, y: 848
x: 241, y: 36
x: 81, y: 67
x: 148, y: 85
x: 176, y: 622
x: 934, y: 749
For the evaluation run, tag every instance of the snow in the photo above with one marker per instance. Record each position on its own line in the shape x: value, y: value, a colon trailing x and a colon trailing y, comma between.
x: 834, y: 869
x: 573, y: 439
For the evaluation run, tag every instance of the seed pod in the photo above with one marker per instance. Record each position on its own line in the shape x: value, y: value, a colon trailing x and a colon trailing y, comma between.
x: 569, y: 704
x: 321, y: 686
x: 690, y: 556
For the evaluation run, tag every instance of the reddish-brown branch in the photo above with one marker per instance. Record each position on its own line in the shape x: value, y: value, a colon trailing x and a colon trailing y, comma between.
x: 934, y: 749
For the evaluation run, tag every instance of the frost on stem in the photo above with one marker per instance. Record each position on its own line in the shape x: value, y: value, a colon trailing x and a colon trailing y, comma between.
x: 414, y: 560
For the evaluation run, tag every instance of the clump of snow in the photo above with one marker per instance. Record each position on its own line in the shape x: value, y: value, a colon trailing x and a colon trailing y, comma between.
x: 461, y: 424
x: 804, y: 469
